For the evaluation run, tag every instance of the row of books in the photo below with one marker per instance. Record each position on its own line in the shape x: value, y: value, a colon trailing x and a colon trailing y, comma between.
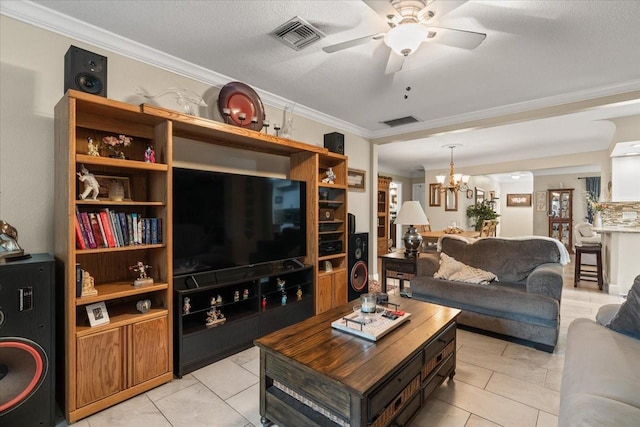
x: 109, y: 229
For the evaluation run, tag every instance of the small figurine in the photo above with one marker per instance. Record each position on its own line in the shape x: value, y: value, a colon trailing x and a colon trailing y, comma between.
x: 245, y: 294
x: 143, y: 305
x: 236, y: 296
x: 281, y: 284
x: 219, y: 300
x: 92, y: 149
x: 186, y: 307
x: 214, y: 317
x: 88, y: 285
x: 143, y: 279
x: 264, y: 301
x: 90, y: 183
x: 150, y: 154
x: 9, y: 247
x: 299, y: 293
x: 331, y: 177
x: 213, y: 302
x: 283, y: 301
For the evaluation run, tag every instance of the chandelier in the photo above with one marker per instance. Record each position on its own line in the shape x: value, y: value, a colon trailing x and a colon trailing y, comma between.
x: 456, y: 181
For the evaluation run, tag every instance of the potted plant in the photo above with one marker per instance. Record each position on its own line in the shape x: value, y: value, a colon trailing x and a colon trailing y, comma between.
x: 481, y: 211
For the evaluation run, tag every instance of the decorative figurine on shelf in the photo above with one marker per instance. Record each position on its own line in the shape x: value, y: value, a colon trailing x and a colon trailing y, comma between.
x: 281, y: 284
x: 91, y: 185
x: 236, y: 296
x: 150, y: 154
x: 283, y: 301
x: 214, y: 318
x: 143, y: 279
x: 143, y: 305
x: 213, y: 302
x: 330, y: 178
x: 219, y: 300
x: 116, y: 144
x: 264, y: 302
x: 245, y: 294
x: 299, y: 293
x: 186, y: 307
x: 88, y: 285
x: 92, y: 148
x: 9, y: 247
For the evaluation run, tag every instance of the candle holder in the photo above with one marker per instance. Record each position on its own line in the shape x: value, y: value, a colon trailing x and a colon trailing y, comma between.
x: 254, y: 121
x: 277, y: 128
x: 242, y: 117
x: 226, y: 112
x: 265, y: 125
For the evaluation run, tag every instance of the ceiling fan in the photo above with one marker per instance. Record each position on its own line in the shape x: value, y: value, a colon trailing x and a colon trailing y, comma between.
x: 413, y: 22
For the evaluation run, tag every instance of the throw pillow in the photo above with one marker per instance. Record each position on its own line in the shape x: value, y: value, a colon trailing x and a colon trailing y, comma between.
x: 451, y: 269
x: 627, y: 320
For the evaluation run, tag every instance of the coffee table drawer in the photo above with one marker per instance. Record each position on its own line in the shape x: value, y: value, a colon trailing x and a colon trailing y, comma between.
x: 433, y: 351
x: 380, y: 399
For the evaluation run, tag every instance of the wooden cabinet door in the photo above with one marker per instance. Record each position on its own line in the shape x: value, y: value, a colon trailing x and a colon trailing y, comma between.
x: 324, y: 294
x: 150, y: 349
x: 100, y: 366
x: 339, y: 288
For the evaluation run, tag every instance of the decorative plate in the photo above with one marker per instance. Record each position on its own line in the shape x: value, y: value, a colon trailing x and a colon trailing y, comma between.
x: 240, y: 98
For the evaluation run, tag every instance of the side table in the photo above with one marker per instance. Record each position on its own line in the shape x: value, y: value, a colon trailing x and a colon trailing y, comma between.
x: 397, y: 266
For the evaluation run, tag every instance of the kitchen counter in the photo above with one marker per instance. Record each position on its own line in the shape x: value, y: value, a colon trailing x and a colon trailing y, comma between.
x: 620, y: 249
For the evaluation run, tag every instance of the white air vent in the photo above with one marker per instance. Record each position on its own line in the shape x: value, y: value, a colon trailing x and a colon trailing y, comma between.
x: 297, y: 33
x: 400, y: 121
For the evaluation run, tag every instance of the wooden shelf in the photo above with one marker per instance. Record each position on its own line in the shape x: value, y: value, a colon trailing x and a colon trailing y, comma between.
x: 109, y: 291
x: 121, y: 316
x: 118, y: 203
x: 120, y: 249
x: 120, y: 163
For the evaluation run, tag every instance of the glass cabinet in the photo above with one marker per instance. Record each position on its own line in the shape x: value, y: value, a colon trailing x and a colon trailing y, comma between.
x: 561, y: 216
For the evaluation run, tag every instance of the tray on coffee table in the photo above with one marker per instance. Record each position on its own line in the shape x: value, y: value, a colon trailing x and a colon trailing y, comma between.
x: 371, y: 326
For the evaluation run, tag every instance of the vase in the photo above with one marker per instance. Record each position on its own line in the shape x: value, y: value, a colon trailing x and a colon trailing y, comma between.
x: 597, y: 220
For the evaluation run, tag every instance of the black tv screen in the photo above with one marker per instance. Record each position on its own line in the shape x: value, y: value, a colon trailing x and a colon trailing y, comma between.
x: 223, y: 220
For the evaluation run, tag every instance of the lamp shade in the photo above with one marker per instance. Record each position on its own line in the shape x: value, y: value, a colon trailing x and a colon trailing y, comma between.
x: 411, y: 213
x: 404, y: 39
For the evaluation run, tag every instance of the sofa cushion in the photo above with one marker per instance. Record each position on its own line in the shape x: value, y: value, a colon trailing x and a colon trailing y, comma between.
x: 512, y: 260
x: 627, y: 319
x: 450, y: 269
x: 606, y: 313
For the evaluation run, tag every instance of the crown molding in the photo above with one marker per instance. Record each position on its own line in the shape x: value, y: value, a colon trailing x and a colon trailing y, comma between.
x: 42, y: 17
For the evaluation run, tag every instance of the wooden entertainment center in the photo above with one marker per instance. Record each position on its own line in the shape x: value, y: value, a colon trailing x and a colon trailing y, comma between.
x: 134, y: 352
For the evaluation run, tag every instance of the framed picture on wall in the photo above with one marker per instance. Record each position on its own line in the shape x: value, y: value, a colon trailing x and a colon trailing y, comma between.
x: 480, y: 195
x: 519, y: 199
x: 434, y: 194
x: 541, y: 201
x: 492, y: 195
x: 356, y: 179
x: 451, y: 200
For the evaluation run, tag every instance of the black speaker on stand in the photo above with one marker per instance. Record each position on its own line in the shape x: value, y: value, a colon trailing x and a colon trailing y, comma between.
x: 358, y: 264
x: 27, y: 326
x: 85, y: 71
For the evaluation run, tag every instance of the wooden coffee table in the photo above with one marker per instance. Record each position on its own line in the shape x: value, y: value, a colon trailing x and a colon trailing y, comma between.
x: 313, y: 375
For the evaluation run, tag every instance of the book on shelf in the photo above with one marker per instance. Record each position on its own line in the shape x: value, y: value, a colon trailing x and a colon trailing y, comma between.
x: 81, y: 243
x: 104, y: 236
x: 122, y: 219
x: 86, y: 225
x: 115, y: 224
x: 106, y: 223
x: 95, y: 227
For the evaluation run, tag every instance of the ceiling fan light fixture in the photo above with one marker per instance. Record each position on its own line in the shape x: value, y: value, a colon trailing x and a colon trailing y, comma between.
x: 405, y: 39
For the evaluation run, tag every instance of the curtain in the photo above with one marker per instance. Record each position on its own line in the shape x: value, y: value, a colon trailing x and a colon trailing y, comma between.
x: 593, y: 189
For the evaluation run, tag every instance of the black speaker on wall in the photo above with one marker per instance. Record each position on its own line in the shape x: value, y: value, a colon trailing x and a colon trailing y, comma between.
x: 358, y: 264
x: 85, y: 71
x: 27, y: 342
x: 334, y: 142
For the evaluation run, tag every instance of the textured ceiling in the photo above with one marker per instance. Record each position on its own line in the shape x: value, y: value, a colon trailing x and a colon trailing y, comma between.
x: 536, y: 54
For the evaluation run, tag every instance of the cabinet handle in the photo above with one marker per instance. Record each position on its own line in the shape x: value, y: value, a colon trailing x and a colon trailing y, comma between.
x: 397, y: 404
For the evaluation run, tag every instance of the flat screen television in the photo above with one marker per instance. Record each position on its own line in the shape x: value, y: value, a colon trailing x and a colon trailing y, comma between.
x: 223, y: 220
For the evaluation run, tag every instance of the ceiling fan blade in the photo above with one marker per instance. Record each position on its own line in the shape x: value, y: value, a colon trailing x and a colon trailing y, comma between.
x: 456, y: 38
x: 395, y: 63
x: 382, y: 8
x: 438, y: 8
x: 351, y: 43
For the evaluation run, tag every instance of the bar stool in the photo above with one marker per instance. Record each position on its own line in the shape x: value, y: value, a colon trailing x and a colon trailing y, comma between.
x: 588, y: 274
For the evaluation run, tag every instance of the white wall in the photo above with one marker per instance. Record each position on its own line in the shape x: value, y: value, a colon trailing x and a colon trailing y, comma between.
x: 625, y: 179
x: 31, y: 83
x: 516, y: 220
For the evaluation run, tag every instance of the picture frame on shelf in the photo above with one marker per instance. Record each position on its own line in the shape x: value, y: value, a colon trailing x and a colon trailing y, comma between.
x: 97, y: 314
x: 519, y: 200
x: 356, y: 179
x: 541, y: 201
x: 434, y: 195
x: 114, y: 188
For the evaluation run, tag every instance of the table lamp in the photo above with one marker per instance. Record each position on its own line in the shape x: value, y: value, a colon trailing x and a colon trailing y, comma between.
x: 411, y: 214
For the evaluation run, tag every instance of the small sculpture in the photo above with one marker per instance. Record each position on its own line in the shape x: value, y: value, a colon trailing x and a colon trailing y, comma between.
x: 150, y: 154
x: 92, y: 148
x: 186, y: 307
x: 281, y: 283
x: 141, y: 269
x: 143, y: 305
x: 213, y: 302
x: 214, y: 318
x: 330, y: 178
x: 9, y: 247
x: 299, y: 293
x: 283, y: 301
x: 88, y: 285
x: 91, y: 185
x: 236, y: 296
x: 219, y: 300
x: 245, y: 294
x: 184, y: 97
x: 264, y: 302
x: 114, y: 144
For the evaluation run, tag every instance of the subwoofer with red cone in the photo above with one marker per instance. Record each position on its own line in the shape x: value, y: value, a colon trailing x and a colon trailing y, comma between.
x: 358, y: 264
x: 27, y: 342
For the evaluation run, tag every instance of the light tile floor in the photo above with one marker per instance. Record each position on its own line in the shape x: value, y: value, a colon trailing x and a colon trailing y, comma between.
x: 497, y: 383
